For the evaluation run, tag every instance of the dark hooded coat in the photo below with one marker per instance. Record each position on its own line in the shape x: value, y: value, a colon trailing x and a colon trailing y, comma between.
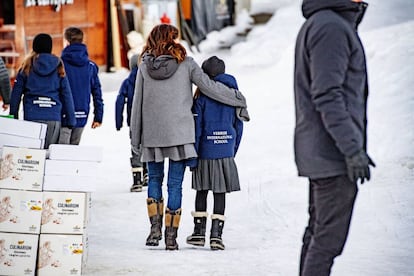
x: 44, y: 92
x: 84, y: 81
x: 331, y: 88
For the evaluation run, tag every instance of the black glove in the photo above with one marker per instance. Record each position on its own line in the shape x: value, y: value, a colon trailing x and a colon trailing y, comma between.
x: 358, y: 166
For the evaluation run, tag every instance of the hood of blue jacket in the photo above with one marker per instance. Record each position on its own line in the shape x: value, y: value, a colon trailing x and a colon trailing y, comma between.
x: 161, y: 67
x: 76, y: 54
x: 45, y: 64
x: 227, y: 79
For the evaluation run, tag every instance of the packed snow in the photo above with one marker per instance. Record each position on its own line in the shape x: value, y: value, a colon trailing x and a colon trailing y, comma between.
x: 266, y: 219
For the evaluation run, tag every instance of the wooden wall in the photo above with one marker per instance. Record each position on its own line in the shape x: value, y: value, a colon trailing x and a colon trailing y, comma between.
x: 88, y: 15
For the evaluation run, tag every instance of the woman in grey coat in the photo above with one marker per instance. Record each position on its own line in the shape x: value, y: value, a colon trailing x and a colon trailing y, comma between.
x: 162, y: 124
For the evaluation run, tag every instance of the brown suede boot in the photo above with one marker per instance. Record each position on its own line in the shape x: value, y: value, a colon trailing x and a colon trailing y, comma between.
x: 155, y: 212
x: 172, y: 221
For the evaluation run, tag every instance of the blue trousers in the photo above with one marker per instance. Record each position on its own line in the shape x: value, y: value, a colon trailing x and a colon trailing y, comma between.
x: 174, y: 183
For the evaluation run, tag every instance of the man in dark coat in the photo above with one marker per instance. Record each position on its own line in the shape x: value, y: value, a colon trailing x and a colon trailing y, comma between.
x: 331, y: 90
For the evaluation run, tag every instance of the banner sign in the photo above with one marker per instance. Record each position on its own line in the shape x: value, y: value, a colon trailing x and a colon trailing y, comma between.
x: 30, y: 3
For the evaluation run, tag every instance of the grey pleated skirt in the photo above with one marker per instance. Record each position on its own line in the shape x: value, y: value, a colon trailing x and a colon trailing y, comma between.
x: 175, y: 153
x: 217, y: 175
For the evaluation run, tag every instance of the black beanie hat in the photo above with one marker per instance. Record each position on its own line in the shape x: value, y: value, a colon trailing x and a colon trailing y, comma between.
x: 42, y: 43
x: 213, y: 66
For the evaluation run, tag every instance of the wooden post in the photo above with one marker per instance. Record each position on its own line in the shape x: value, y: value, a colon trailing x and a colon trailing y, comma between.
x: 115, y: 36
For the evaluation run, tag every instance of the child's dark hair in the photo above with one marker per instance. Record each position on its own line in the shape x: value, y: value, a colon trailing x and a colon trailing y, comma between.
x: 74, y: 35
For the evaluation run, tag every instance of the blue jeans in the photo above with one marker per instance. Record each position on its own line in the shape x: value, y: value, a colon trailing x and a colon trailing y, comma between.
x: 174, y: 184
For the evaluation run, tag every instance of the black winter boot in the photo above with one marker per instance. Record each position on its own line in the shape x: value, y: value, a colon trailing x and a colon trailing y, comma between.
x: 137, y: 178
x: 217, y: 224
x: 172, y: 221
x: 198, y: 237
x: 155, y: 212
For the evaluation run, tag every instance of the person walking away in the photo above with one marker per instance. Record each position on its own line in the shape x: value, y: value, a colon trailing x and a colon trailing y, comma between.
x: 125, y: 98
x: 41, y: 81
x: 5, y: 88
x: 218, y: 135
x: 162, y: 123
x: 331, y: 91
x: 84, y: 82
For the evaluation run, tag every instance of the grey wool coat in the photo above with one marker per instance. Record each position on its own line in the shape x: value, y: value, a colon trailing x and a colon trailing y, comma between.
x: 331, y: 88
x: 161, y: 111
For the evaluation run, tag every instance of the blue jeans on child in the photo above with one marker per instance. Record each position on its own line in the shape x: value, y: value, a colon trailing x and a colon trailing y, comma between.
x: 174, y: 183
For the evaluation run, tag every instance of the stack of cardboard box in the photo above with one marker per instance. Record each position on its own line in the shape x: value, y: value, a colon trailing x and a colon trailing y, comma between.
x: 63, y: 242
x: 71, y: 174
x: 45, y: 202
x: 21, y: 177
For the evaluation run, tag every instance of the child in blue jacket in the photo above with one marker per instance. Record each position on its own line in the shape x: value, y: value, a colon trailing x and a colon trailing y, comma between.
x: 84, y: 81
x: 125, y: 97
x: 218, y: 134
x: 42, y: 82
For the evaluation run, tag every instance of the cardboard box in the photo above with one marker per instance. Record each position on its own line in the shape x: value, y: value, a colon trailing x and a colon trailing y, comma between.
x: 68, y: 167
x: 20, y: 141
x: 75, y: 153
x: 18, y: 253
x: 23, y: 128
x: 20, y: 211
x: 22, y: 168
x: 62, y: 254
x: 65, y: 212
x: 71, y: 183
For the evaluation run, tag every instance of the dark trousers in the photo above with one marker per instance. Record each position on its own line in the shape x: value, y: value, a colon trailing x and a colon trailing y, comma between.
x: 331, y: 201
x: 52, y: 132
x: 135, y: 160
x: 70, y: 136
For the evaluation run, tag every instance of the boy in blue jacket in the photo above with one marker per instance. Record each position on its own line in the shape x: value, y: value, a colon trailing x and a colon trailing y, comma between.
x: 84, y: 81
x: 218, y: 133
x: 125, y: 97
x: 42, y: 82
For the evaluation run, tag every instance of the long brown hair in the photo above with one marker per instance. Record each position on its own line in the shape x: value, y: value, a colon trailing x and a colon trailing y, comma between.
x: 30, y: 59
x: 161, y: 42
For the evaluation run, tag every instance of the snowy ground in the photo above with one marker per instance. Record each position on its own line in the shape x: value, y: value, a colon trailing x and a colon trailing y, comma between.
x: 265, y: 221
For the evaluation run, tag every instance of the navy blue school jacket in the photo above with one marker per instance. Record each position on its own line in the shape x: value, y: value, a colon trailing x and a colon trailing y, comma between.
x: 44, y: 92
x: 218, y: 130
x: 84, y: 81
x: 125, y: 96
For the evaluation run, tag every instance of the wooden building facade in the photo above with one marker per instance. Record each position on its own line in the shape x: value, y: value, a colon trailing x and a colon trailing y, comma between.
x: 41, y: 17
